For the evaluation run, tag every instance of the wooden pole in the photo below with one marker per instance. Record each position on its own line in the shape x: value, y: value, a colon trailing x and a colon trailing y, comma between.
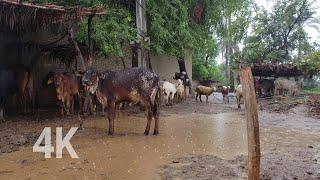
x: 251, y: 112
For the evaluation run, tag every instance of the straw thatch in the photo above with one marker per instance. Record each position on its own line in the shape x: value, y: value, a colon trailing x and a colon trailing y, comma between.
x: 276, y: 70
x: 23, y: 16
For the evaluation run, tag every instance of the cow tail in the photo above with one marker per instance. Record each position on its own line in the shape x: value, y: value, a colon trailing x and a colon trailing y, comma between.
x: 156, y: 104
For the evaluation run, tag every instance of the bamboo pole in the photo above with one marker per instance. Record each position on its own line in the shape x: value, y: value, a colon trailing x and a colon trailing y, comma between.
x: 251, y: 112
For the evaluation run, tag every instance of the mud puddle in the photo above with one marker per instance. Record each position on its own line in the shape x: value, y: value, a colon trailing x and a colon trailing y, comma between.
x: 129, y: 154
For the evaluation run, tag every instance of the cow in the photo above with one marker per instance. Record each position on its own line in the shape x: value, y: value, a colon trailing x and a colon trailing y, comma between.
x: 8, y: 87
x: 67, y: 87
x: 286, y: 87
x: 133, y: 84
x: 266, y: 86
x: 169, y: 91
x: 239, y: 95
x: 225, y: 92
x: 183, y: 76
x: 16, y: 81
x: 25, y: 83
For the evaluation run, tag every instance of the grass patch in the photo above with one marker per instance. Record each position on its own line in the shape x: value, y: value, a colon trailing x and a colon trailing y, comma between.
x: 315, y: 90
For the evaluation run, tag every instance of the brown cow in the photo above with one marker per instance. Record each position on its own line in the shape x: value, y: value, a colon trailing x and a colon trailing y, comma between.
x: 67, y: 86
x: 134, y: 84
x: 25, y: 85
x: 225, y: 92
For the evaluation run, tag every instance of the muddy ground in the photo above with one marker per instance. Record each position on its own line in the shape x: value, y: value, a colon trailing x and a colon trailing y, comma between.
x: 196, y: 141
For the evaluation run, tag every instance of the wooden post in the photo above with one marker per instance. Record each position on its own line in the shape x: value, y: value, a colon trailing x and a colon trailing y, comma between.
x: 251, y: 112
x: 90, y: 41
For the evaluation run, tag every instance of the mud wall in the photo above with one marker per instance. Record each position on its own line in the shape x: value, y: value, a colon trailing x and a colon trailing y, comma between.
x: 166, y: 66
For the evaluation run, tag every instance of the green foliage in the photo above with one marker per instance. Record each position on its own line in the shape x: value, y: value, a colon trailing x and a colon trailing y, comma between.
x: 168, y: 26
x: 112, y: 32
x: 314, y: 90
x: 310, y: 64
x: 206, y: 69
x: 278, y: 35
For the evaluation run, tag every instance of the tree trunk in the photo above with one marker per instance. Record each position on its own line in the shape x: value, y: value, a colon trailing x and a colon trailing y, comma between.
x: 207, y: 58
x: 182, y: 65
x: 251, y: 112
x: 227, y: 61
x: 233, y: 50
x: 149, y: 59
x: 90, y: 41
x: 79, y: 57
x: 123, y: 63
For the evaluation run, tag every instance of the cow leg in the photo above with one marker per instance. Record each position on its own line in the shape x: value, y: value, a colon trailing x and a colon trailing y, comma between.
x: 238, y: 102
x: 111, y: 116
x: 2, y: 104
x: 102, y: 109
x: 172, y: 98
x: 200, y: 98
x: 156, y: 117
x: 61, y: 103
x: 1, y: 115
x: 207, y: 99
x: 67, y: 106
x: 80, y: 103
x: 197, y: 97
x: 24, y: 103
x: 149, y: 117
x: 72, y: 105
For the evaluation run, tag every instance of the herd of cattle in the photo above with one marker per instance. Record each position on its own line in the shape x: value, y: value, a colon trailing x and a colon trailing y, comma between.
x: 112, y: 88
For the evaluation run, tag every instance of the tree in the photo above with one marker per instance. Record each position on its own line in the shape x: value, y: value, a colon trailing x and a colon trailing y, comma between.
x: 278, y: 35
x: 310, y: 63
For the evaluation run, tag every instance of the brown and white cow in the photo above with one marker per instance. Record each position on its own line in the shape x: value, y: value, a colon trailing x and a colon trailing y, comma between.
x: 67, y: 87
x: 134, y: 84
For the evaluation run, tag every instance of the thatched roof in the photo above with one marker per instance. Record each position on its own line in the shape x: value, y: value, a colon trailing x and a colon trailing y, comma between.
x: 276, y: 70
x: 23, y: 16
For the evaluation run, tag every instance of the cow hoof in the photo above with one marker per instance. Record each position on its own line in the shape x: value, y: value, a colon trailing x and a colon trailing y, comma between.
x: 156, y: 133
x: 110, y: 133
x: 146, y: 133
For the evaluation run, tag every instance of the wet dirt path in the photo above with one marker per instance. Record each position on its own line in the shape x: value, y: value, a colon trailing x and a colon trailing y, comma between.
x: 129, y: 154
x: 197, y: 135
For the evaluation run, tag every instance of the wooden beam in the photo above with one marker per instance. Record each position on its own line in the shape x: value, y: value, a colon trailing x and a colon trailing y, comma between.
x: 251, y: 112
